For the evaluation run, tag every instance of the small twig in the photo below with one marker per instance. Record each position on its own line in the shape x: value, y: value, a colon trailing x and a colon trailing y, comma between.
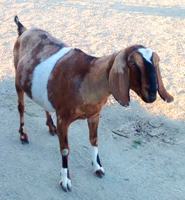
x: 134, y: 165
x: 178, y: 190
x: 154, y: 126
x: 165, y: 141
x: 120, y: 134
x: 182, y: 141
x: 152, y: 135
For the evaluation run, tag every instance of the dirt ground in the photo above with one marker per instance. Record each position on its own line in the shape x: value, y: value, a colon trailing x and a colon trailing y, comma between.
x: 141, y: 147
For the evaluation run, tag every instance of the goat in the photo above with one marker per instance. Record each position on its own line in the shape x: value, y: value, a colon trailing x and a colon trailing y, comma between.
x: 75, y: 85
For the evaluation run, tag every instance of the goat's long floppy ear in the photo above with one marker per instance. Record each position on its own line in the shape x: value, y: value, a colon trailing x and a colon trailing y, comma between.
x: 161, y: 89
x: 119, y: 80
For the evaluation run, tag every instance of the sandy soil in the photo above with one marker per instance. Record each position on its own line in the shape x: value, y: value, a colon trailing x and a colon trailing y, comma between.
x: 146, y: 160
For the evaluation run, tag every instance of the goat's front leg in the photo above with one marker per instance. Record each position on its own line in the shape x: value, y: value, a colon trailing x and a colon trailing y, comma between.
x: 22, y: 131
x: 62, y: 131
x: 93, y: 129
x: 50, y: 124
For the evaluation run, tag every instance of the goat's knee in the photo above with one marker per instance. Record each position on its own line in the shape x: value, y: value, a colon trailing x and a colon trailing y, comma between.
x: 93, y: 140
x: 20, y: 108
x: 65, y: 182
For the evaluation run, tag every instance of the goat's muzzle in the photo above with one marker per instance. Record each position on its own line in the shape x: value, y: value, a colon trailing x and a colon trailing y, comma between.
x: 152, y: 97
x: 148, y: 96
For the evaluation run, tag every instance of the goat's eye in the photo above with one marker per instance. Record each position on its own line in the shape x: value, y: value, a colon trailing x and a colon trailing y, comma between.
x: 134, y: 64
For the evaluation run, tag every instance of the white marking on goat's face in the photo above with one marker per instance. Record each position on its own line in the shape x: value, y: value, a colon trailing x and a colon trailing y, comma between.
x: 41, y: 76
x: 146, y: 53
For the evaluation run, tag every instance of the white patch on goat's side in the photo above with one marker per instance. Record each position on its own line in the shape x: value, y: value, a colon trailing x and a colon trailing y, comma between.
x: 94, y: 159
x: 65, y: 181
x: 41, y: 76
x: 146, y: 53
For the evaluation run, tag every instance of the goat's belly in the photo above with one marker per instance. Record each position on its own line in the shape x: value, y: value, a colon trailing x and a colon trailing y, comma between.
x: 88, y: 111
x: 44, y: 102
x: 40, y: 79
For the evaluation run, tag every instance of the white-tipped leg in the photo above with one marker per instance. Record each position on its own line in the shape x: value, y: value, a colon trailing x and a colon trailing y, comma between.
x: 62, y: 130
x: 98, y: 169
x: 65, y: 182
x: 22, y: 131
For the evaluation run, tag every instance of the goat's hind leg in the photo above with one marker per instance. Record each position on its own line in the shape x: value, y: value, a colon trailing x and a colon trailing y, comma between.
x: 22, y: 131
x: 50, y: 124
x: 62, y: 131
x: 93, y: 128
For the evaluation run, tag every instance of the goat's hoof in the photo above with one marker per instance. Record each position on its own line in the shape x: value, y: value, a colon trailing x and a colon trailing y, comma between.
x: 24, y: 139
x: 100, y: 173
x: 53, y: 132
x: 66, y: 185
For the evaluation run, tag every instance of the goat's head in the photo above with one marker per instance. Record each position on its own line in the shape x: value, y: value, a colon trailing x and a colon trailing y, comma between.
x: 137, y: 68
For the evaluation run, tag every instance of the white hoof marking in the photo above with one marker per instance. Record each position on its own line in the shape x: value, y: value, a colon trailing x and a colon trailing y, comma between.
x: 96, y: 166
x: 65, y: 181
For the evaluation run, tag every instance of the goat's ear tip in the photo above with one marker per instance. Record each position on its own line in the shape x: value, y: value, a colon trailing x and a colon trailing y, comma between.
x: 170, y: 100
x: 126, y: 105
x: 123, y: 104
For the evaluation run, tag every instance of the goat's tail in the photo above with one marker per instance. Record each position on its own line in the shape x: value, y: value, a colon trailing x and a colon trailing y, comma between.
x: 20, y: 27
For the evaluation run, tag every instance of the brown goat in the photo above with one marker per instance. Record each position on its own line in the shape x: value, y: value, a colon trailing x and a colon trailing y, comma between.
x: 76, y: 86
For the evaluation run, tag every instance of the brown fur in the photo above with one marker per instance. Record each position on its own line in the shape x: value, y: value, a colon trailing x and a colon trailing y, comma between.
x: 50, y: 124
x: 162, y: 91
x: 31, y: 48
x: 80, y: 84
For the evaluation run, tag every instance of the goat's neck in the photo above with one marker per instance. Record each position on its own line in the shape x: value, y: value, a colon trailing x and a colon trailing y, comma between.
x: 96, y: 84
x: 102, y: 69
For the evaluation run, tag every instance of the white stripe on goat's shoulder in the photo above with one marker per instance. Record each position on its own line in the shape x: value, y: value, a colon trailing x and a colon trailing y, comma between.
x: 41, y: 76
x: 146, y: 53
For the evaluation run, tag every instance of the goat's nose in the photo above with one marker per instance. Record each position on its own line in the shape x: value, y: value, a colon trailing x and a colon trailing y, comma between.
x: 152, y: 94
x: 152, y: 97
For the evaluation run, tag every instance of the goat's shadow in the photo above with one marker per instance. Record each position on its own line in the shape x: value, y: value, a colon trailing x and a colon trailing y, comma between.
x: 133, y: 123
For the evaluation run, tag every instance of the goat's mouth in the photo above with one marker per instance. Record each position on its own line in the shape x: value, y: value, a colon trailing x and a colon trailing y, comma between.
x: 149, y: 97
